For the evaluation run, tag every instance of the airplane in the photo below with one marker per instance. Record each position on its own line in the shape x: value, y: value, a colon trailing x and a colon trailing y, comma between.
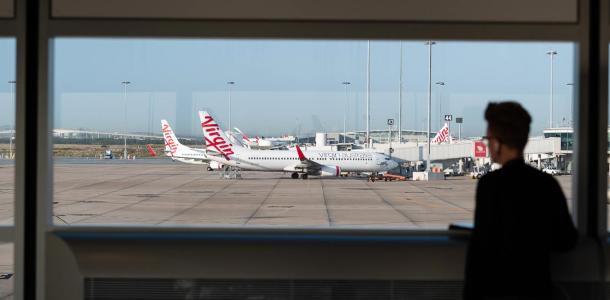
x: 181, y: 153
x: 261, y: 143
x: 300, y: 163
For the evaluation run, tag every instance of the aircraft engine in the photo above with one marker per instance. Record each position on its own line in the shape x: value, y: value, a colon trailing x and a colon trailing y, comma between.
x: 332, y: 171
x: 214, y: 165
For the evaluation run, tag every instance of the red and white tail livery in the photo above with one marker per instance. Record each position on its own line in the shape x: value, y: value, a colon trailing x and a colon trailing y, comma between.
x: 442, y: 135
x: 151, y: 150
x: 172, y: 145
x: 215, y: 139
x: 179, y: 152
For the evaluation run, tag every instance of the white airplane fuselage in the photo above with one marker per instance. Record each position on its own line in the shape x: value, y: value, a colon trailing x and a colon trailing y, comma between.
x: 190, y: 156
x: 282, y: 160
x: 323, y: 163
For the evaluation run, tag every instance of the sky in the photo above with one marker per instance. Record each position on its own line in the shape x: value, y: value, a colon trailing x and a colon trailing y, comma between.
x: 293, y: 86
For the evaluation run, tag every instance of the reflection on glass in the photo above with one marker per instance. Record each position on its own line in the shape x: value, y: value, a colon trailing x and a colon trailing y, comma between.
x: 115, y: 163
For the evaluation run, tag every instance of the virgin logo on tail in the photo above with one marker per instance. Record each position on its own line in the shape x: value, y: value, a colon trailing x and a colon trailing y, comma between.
x: 214, y: 137
x: 442, y: 135
x: 168, y: 134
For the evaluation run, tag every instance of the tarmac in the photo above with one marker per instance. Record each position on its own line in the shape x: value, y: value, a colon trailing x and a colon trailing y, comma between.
x: 176, y: 193
x: 162, y: 192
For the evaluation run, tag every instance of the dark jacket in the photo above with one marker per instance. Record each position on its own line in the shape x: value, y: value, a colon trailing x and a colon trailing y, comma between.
x: 521, y: 216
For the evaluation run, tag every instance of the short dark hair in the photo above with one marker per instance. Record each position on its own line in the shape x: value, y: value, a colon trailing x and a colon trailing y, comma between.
x: 509, y: 122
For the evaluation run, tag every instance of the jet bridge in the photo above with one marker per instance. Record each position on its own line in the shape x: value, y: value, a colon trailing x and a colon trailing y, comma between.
x: 464, y: 148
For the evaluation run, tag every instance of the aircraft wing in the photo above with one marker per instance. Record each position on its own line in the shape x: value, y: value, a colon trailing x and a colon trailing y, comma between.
x: 307, y: 164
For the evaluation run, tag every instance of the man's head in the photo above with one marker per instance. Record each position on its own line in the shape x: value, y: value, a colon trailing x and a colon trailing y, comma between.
x: 508, y: 127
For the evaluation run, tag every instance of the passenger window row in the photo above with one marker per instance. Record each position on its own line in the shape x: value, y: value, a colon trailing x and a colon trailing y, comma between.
x: 294, y: 158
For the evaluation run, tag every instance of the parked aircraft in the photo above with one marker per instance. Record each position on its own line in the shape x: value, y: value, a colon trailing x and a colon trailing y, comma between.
x: 182, y: 153
x: 300, y: 163
x: 260, y: 143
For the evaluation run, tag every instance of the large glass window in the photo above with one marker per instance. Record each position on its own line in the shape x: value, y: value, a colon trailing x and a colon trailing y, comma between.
x: 7, y: 162
x: 7, y: 129
x: 115, y: 162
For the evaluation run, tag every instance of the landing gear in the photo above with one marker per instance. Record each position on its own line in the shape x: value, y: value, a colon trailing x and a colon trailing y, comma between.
x: 373, y: 177
x: 231, y: 173
x: 296, y: 175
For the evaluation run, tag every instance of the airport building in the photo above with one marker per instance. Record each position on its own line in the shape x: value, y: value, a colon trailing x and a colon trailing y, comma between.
x: 552, y: 150
x: 566, y: 136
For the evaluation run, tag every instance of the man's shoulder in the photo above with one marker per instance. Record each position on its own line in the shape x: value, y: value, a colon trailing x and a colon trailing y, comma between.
x: 535, y: 174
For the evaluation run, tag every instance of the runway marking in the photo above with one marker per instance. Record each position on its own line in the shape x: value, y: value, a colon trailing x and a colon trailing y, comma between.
x: 391, y: 205
x: 137, y: 202
x: 79, y: 201
x: 330, y: 219
x: 263, y: 202
x: 148, y: 172
x: 231, y: 182
x: 435, y: 196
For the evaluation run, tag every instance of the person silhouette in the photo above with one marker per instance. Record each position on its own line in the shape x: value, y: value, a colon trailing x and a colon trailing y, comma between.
x: 521, y: 217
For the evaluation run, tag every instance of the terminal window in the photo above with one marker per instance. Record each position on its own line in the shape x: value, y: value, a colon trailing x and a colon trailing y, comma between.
x: 7, y: 129
x: 7, y: 159
x: 308, y: 133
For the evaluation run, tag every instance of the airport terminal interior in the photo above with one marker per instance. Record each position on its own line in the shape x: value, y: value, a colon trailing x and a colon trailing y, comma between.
x: 288, y: 150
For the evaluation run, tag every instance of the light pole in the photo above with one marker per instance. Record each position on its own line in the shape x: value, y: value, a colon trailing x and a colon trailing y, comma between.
x: 571, y: 85
x: 12, y: 128
x: 551, y: 55
x: 459, y: 121
x: 400, y: 99
x: 230, y: 83
x: 345, y: 83
x: 150, y: 112
x: 368, y: 93
x: 429, y: 43
x: 440, y: 104
x: 390, y: 124
x: 125, y: 83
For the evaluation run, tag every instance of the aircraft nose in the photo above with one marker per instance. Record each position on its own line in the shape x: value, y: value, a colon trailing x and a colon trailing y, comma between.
x: 391, y: 165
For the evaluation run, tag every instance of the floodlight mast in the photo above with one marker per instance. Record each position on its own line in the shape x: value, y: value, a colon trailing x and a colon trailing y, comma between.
x: 400, y: 98
x: 346, y: 84
x: 125, y: 83
x: 230, y: 85
x: 429, y: 44
x: 551, y: 55
x: 368, y: 95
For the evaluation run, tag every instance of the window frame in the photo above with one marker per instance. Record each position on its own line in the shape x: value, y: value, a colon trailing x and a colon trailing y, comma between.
x: 9, y: 233
x: 34, y: 178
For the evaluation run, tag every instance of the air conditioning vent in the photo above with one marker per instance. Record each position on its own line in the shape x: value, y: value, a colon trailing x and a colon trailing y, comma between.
x: 245, y: 289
